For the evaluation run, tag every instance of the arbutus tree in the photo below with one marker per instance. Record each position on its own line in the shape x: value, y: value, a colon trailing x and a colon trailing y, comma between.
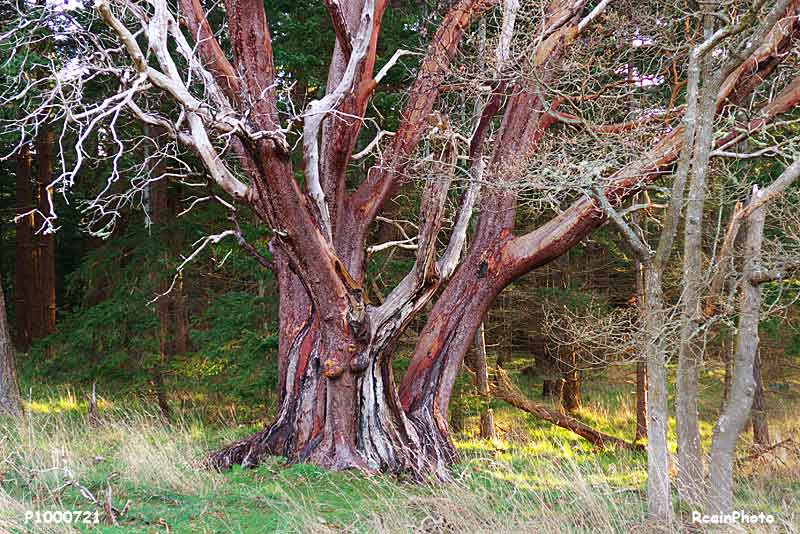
x: 219, y: 96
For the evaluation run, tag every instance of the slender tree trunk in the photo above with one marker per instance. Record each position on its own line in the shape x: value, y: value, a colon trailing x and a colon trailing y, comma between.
x: 571, y: 393
x: 641, y: 401
x: 9, y: 389
x: 640, y: 226
x: 727, y: 358
x: 173, y: 332
x: 735, y: 415
x: 25, y: 253
x: 759, y: 416
x: 481, y: 370
x: 45, y: 293
x: 659, y: 500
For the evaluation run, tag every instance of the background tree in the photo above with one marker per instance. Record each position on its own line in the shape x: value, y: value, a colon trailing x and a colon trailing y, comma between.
x: 9, y: 389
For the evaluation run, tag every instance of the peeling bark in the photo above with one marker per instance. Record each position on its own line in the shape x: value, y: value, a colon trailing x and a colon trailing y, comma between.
x: 339, y: 407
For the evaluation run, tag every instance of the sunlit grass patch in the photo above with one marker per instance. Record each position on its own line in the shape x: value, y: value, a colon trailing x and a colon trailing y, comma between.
x: 535, y: 477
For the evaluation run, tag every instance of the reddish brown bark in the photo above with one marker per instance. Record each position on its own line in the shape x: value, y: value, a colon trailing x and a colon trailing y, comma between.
x: 339, y: 406
x: 45, y: 292
x: 35, y: 289
x: 173, y: 333
x: 427, y: 386
x: 25, y: 251
x: 353, y: 421
x: 364, y: 203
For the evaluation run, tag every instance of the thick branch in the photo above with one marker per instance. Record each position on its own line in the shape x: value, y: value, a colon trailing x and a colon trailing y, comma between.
x: 210, y: 50
x: 252, y: 53
x: 368, y: 198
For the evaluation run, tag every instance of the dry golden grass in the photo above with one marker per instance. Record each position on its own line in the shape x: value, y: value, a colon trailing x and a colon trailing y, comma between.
x: 533, y: 479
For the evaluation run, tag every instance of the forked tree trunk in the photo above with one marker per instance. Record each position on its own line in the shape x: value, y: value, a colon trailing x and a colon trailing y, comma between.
x: 353, y: 420
x: 339, y: 408
x: 735, y: 415
x: 9, y: 389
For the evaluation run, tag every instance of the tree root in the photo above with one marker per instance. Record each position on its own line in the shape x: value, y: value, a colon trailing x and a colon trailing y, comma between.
x: 247, y: 452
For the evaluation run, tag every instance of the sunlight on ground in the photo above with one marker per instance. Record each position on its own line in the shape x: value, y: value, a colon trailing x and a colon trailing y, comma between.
x: 533, y: 478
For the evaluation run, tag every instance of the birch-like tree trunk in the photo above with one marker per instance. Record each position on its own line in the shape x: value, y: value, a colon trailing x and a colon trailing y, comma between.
x: 736, y: 412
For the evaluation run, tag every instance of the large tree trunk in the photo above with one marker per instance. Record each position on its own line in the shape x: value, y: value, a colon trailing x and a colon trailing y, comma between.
x: 9, y: 389
x: 352, y: 420
x: 338, y: 406
x: 427, y: 386
x: 25, y: 253
x: 734, y: 416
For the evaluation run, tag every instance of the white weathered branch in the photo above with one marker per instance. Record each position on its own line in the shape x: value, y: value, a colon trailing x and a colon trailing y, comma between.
x: 318, y: 110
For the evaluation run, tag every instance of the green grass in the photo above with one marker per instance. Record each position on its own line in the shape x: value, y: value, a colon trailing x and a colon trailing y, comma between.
x: 537, y: 478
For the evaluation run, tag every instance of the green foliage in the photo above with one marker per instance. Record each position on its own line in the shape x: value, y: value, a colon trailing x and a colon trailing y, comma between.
x: 234, y: 354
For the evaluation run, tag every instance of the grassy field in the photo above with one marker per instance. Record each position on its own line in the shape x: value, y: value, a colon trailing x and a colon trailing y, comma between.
x: 537, y: 478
